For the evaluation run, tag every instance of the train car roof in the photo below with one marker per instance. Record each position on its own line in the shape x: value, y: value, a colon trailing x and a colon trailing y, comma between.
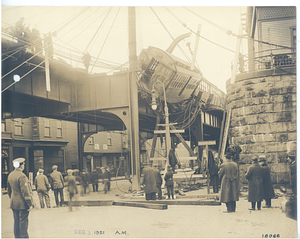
x: 166, y: 57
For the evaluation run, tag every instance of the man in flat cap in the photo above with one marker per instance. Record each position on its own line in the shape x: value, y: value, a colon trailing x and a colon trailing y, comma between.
x: 255, y: 175
x: 42, y: 186
x: 57, y: 185
x: 228, y: 174
x: 19, y: 193
x: 267, y: 181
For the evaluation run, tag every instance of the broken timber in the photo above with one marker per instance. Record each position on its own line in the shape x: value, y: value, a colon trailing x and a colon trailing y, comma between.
x: 145, y: 204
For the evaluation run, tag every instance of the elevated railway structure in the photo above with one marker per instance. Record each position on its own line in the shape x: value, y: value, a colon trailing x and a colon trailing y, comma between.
x: 36, y: 85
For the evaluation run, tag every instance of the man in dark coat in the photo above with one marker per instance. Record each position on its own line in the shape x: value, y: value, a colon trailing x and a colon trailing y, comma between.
x: 229, y: 188
x: 148, y: 182
x: 255, y: 175
x: 57, y: 185
x: 96, y: 175
x: 172, y: 159
x: 20, y: 196
x: 71, y: 187
x: 42, y: 187
x: 267, y: 182
x: 158, y: 180
x: 213, y: 172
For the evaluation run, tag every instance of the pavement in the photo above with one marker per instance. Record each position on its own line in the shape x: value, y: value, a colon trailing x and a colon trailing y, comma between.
x: 177, y: 221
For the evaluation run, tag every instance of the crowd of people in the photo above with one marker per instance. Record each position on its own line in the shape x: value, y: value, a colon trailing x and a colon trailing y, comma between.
x: 21, y: 199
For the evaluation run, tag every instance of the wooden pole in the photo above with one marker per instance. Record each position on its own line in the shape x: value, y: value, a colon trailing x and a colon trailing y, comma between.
x: 237, y: 53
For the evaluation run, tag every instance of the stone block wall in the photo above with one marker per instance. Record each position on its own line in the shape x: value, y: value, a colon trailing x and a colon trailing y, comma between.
x: 263, y: 120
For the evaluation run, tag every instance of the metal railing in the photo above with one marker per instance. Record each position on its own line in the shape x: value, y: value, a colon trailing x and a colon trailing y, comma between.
x: 269, y: 59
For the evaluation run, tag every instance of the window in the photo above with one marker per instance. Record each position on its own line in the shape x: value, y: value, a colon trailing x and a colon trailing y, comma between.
x: 47, y: 127
x: 59, y: 129
x: 35, y: 131
x: 109, y: 138
x: 3, y: 126
x: 18, y: 126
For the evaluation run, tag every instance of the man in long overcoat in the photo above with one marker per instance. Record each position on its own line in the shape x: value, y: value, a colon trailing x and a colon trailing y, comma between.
x: 19, y: 193
x: 42, y: 187
x: 158, y: 180
x: 267, y: 182
x: 148, y: 182
x: 57, y: 185
x: 255, y: 175
x: 229, y: 188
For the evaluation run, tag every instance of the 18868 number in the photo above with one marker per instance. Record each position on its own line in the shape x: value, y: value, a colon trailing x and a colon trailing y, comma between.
x: 270, y: 235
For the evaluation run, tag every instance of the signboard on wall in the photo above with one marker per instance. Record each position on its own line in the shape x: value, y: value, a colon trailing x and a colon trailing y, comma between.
x: 104, y: 146
x: 96, y: 146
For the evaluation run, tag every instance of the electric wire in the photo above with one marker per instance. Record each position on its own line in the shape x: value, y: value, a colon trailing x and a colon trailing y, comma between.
x: 106, y: 37
x: 170, y: 35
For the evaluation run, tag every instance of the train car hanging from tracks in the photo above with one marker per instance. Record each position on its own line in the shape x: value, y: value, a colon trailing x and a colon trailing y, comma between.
x: 179, y: 79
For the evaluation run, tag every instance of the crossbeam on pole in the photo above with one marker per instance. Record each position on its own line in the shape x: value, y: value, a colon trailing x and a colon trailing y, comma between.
x: 171, y: 131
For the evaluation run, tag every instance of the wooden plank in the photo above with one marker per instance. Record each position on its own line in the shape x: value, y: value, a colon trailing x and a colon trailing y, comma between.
x: 183, y: 142
x: 227, y: 123
x: 171, y: 131
x: 221, y: 135
x: 204, y: 143
x: 145, y: 204
x: 91, y: 203
x: 187, y: 158
x: 158, y: 158
x: 186, y: 202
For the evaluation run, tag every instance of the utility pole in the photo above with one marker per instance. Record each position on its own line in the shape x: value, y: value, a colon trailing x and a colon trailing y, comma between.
x: 133, y: 107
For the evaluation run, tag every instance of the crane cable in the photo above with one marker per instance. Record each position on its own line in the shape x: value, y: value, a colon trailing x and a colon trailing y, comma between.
x: 171, y: 35
x: 106, y: 37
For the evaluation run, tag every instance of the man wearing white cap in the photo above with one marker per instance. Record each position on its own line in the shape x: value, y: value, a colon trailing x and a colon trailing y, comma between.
x: 57, y: 185
x: 19, y: 193
x: 42, y: 187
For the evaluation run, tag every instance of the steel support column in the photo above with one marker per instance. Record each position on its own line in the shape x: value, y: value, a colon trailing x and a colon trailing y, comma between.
x: 134, y: 114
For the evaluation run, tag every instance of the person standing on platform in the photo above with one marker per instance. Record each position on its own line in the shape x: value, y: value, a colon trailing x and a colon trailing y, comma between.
x: 42, y: 187
x: 267, y: 182
x: 57, y: 185
x: 148, y: 182
x: 20, y: 198
x: 228, y: 174
x: 158, y: 180
x: 255, y: 175
x: 169, y: 182
x: 72, y: 188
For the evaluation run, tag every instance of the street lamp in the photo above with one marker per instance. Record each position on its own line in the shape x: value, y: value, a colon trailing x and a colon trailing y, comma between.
x: 167, y: 124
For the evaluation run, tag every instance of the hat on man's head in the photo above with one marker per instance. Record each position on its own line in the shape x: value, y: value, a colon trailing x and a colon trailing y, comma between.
x: 292, y: 155
x: 41, y: 170
x: 69, y: 171
x: 262, y: 158
x: 54, y: 167
x: 17, y: 162
x: 254, y: 159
